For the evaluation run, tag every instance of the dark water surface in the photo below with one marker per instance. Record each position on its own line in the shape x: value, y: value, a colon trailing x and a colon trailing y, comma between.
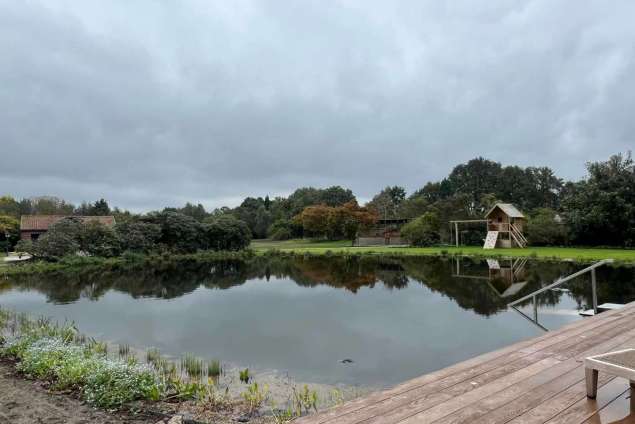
x: 394, y: 318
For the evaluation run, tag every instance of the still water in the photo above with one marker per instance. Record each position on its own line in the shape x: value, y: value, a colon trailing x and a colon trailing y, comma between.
x: 394, y: 319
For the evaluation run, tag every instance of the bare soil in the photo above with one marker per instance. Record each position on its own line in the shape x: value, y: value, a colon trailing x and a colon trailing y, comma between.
x: 27, y: 402
x: 24, y: 401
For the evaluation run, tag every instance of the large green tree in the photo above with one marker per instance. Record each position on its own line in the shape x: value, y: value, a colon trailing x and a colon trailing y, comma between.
x: 225, y: 232
x: 545, y: 228
x: 601, y: 209
x: 388, y: 202
x: 179, y: 233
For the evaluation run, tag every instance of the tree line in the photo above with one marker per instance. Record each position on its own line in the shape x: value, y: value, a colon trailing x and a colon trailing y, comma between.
x: 165, y: 231
x: 597, y: 210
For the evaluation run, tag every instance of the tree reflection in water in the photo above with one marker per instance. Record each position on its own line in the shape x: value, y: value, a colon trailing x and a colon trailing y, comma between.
x: 483, y: 286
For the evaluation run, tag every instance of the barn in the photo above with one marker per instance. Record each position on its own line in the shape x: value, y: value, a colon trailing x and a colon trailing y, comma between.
x: 33, y: 226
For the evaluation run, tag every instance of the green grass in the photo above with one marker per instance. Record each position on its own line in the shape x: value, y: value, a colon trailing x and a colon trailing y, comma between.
x: 321, y: 247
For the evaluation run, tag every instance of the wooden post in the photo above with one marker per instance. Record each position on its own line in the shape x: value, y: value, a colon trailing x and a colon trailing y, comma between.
x: 456, y: 230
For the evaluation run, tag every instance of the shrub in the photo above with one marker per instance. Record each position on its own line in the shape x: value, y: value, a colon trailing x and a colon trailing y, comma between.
x: 422, y: 231
x: 225, y: 232
x: 56, y: 243
x: 97, y: 239
x: 544, y: 230
x: 140, y: 237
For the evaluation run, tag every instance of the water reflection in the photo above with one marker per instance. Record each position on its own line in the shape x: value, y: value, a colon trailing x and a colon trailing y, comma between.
x: 395, y: 317
x: 482, y: 286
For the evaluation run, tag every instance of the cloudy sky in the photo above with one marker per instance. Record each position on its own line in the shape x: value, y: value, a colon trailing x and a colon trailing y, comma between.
x: 152, y: 103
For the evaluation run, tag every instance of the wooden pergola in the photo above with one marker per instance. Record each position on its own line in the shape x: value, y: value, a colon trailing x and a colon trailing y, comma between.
x: 456, y: 223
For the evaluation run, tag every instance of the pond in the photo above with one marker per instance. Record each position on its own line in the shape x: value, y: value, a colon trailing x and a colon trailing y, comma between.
x: 367, y: 321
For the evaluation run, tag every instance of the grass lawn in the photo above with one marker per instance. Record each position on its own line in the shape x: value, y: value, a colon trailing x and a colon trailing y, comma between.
x: 318, y: 247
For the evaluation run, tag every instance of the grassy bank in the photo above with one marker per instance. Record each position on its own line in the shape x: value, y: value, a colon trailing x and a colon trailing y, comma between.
x: 344, y: 247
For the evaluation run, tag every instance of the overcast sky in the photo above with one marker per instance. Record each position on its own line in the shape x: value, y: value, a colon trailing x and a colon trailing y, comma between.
x: 152, y: 103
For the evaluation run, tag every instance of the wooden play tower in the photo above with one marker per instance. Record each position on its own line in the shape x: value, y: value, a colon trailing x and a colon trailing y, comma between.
x: 505, y: 225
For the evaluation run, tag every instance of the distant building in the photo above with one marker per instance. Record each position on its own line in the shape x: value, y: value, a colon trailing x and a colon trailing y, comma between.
x: 33, y: 226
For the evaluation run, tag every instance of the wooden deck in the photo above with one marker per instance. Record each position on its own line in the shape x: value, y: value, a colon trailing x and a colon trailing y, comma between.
x: 535, y: 381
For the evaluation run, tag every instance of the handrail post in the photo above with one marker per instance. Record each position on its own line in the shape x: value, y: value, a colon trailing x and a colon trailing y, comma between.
x: 594, y: 294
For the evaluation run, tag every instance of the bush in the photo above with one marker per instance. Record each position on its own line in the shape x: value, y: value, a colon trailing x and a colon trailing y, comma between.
x: 97, y: 239
x: 56, y: 243
x: 544, y: 230
x: 140, y: 237
x: 282, y: 229
x: 24, y: 246
x: 180, y: 233
x: 422, y: 231
x: 225, y: 232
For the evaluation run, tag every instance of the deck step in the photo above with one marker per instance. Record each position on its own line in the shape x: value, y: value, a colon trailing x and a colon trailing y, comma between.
x: 490, y: 240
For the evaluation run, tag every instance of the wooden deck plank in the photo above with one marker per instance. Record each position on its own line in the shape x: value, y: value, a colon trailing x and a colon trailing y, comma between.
x: 533, y: 380
x: 531, y: 392
x: 568, y: 350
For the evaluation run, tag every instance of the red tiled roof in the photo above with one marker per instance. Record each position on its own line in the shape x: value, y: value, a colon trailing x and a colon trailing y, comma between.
x: 43, y: 222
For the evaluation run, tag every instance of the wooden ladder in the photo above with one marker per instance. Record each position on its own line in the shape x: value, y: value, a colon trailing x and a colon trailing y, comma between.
x: 519, y: 238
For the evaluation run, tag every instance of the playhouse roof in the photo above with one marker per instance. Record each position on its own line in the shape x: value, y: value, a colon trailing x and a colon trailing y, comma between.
x: 509, y: 209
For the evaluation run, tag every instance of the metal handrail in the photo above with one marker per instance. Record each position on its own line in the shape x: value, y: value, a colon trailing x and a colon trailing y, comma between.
x: 562, y: 280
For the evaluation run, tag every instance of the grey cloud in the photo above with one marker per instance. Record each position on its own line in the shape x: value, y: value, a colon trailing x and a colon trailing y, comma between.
x: 151, y: 104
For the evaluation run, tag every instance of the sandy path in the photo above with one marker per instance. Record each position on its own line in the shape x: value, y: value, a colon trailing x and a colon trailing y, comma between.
x: 26, y: 402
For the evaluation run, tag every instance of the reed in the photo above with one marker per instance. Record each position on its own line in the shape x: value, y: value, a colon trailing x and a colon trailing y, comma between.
x: 192, y: 366
x: 124, y: 350
x: 214, y: 369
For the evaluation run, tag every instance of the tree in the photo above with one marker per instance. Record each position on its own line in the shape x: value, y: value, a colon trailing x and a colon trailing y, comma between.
x: 388, y: 202
x: 100, y: 208
x: 475, y: 178
x: 253, y: 212
x: 336, y: 196
x: 282, y: 229
x: 226, y: 233
x: 314, y: 220
x: 9, y: 207
x: 601, y: 209
x: 414, y: 206
x: 50, y: 205
x: 197, y: 212
x: 9, y: 231
x: 422, y: 231
x: 62, y: 239
x: 179, y: 232
x: 97, y: 239
x: 544, y: 230
x: 341, y: 222
x: 138, y: 236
